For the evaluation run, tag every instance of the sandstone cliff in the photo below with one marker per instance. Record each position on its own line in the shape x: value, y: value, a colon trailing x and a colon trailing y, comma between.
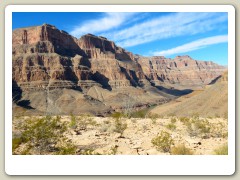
x: 57, y: 73
x: 182, y: 71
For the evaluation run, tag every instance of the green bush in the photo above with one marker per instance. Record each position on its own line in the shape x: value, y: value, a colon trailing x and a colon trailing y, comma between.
x: 119, y: 126
x: 117, y: 115
x: 184, y: 120
x: 73, y: 122
x: 173, y: 120
x: 16, y: 143
x: 218, y: 130
x: 163, y: 141
x: 65, y: 148
x: 181, y: 150
x: 41, y: 135
x: 199, y: 128
x: 171, y: 126
x: 139, y: 114
x: 223, y: 150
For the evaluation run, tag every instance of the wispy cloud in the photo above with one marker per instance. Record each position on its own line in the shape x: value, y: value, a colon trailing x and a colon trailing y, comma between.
x: 172, y: 25
x: 198, y: 44
x: 108, y: 21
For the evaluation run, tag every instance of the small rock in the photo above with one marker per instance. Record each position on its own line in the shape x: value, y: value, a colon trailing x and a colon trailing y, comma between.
x: 136, y: 147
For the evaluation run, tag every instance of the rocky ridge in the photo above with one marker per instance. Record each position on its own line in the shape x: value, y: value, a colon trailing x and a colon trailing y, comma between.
x: 94, y: 72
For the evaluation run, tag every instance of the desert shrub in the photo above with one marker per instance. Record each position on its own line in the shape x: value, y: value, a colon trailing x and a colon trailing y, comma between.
x: 195, y: 116
x: 173, y: 120
x: 105, y: 126
x: 222, y: 150
x: 73, y: 122
x: 41, y: 135
x: 184, y: 120
x: 171, y: 126
x: 16, y: 143
x: 153, y: 117
x: 198, y: 128
x: 139, y: 114
x: 163, y: 141
x: 82, y: 122
x: 181, y: 150
x: 117, y: 115
x: 218, y: 130
x: 119, y: 126
x: 65, y: 148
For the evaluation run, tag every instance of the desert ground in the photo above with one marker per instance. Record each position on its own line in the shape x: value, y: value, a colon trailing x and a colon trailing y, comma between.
x: 118, y: 135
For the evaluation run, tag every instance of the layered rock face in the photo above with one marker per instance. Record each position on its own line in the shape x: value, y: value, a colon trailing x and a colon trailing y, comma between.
x: 180, y: 71
x: 50, y: 57
x: 93, y: 72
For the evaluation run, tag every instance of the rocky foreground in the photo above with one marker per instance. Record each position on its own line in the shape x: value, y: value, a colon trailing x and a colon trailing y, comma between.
x: 85, y: 135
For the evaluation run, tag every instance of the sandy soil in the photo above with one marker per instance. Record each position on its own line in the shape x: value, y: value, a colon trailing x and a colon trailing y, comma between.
x: 136, y: 138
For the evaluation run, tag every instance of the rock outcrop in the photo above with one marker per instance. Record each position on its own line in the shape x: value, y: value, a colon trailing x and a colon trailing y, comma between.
x: 49, y: 60
x: 180, y: 71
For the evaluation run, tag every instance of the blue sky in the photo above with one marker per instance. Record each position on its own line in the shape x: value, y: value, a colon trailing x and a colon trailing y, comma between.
x: 202, y: 35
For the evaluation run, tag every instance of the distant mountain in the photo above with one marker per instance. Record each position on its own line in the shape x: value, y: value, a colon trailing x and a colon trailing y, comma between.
x: 56, y: 73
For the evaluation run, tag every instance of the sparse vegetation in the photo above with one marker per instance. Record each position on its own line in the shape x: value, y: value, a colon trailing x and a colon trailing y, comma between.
x: 163, y: 141
x: 198, y: 128
x: 42, y: 136
x: 184, y: 120
x: 82, y: 122
x: 16, y: 143
x: 139, y: 114
x: 66, y: 148
x: 173, y: 120
x: 119, y: 126
x: 223, y: 150
x: 117, y: 115
x: 181, y: 150
x: 153, y: 117
x: 218, y: 130
x: 171, y: 126
x: 63, y: 135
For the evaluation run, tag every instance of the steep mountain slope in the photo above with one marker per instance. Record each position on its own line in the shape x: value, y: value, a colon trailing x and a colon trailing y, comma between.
x: 56, y: 73
x: 211, y: 102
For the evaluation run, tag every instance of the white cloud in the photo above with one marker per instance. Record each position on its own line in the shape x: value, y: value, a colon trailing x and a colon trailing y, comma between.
x: 107, y: 22
x: 198, y: 44
x: 172, y: 25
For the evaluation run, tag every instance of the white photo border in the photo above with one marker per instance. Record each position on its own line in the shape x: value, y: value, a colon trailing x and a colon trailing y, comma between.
x: 119, y: 164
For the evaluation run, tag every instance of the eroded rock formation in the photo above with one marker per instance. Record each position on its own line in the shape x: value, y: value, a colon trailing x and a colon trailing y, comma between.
x: 93, y: 71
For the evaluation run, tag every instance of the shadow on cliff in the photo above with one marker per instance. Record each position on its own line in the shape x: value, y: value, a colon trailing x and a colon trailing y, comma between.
x: 25, y: 104
x: 133, y: 80
x: 16, y: 92
x: 174, y: 92
x: 71, y: 51
x: 17, y: 96
x: 103, y: 80
x: 215, y: 80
